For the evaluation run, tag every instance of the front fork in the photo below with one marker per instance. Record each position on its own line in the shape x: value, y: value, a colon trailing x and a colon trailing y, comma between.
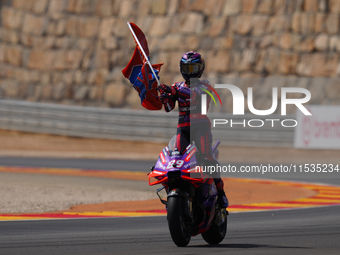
x: 187, y: 204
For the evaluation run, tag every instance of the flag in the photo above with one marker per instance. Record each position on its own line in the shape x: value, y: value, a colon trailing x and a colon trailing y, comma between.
x: 138, y: 72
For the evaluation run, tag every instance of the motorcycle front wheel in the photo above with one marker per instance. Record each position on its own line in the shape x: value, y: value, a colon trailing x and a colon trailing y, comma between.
x: 179, y: 229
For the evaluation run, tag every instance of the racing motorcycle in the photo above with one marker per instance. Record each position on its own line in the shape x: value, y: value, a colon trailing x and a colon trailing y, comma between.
x: 191, y: 202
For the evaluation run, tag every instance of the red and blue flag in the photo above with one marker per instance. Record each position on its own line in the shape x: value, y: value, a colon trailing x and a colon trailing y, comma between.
x: 138, y: 72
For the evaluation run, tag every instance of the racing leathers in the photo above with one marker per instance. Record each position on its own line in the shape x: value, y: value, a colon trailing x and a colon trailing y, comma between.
x: 191, y: 119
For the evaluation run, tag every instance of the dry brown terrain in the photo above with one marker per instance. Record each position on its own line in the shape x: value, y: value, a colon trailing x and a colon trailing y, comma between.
x: 15, y: 143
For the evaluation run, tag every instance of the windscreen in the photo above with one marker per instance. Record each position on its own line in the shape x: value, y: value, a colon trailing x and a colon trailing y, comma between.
x: 172, y: 145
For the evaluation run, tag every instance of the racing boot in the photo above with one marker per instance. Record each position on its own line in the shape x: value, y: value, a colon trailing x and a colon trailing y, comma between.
x: 222, y: 198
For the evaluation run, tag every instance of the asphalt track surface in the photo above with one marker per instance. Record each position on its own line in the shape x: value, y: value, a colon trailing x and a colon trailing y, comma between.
x: 300, y: 231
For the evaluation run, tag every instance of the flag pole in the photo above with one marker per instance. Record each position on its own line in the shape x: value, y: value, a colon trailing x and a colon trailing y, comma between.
x: 142, y: 50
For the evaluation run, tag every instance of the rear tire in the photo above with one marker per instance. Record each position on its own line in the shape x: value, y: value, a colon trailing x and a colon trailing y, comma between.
x: 179, y: 229
x: 216, y: 233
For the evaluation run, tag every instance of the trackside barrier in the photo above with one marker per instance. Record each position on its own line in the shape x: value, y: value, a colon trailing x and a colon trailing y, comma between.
x: 126, y: 124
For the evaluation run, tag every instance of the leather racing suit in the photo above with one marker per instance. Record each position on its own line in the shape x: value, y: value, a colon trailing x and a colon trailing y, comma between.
x: 191, y: 119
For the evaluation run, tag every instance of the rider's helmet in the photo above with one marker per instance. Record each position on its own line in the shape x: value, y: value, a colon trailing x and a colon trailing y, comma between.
x: 191, y: 65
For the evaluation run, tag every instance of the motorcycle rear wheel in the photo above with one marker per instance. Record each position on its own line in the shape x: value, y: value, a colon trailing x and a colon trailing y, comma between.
x: 179, y: 229
x: 216, y: 233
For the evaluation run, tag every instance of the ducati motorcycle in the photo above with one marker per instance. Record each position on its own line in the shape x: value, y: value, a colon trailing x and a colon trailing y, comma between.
x: 191, y: 203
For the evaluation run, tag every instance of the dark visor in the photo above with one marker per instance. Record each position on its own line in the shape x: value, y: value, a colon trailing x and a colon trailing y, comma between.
x: 191, y: 68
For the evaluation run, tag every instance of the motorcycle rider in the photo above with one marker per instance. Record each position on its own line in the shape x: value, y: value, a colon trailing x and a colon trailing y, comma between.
x: 190, y: 118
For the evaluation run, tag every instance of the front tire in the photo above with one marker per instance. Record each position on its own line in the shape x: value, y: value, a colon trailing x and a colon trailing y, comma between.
x: 216, y: 233
x: 179, y: 229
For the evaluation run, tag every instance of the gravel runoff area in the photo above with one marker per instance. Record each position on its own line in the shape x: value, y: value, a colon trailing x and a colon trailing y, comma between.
x: 24, y: 193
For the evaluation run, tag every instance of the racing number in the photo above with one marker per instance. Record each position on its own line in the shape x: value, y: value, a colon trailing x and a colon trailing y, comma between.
x: 179, y: 163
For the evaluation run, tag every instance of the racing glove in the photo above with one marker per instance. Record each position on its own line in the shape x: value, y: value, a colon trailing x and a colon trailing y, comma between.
x: 166, y: 89
x: 165, y: 98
